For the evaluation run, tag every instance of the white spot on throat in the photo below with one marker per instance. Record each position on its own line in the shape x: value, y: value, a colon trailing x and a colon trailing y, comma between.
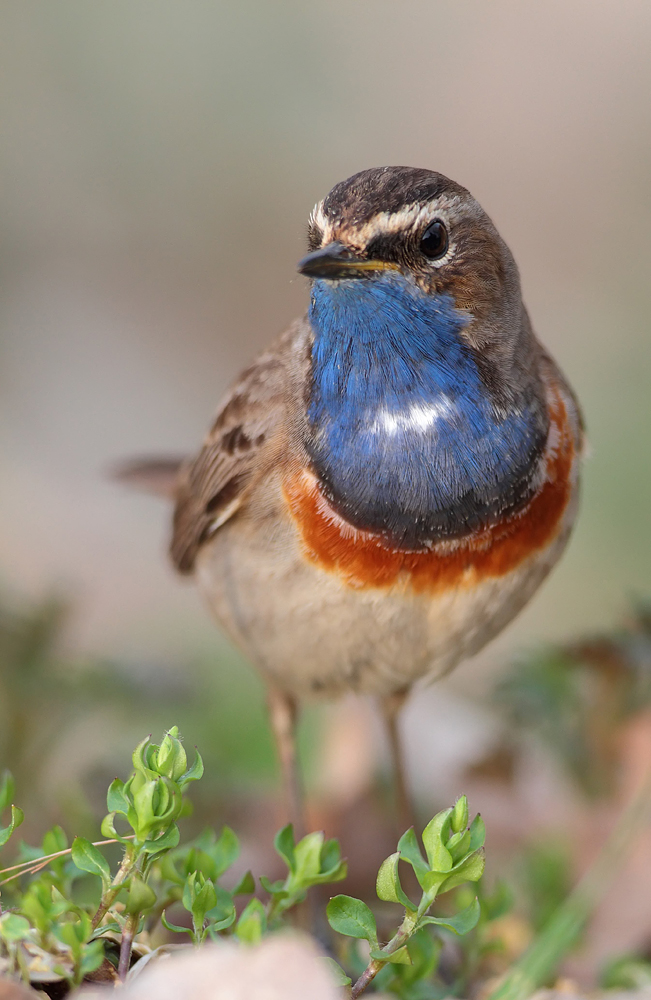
x: 417, y: 417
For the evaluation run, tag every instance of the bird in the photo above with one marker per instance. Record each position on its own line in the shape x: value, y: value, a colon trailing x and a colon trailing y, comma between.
x: 392, y: 479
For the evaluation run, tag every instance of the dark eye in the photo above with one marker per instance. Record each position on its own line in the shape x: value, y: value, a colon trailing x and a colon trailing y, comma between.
x: 434, y: 241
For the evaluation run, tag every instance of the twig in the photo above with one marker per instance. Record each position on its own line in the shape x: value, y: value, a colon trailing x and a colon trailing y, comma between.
x: 35, y: 865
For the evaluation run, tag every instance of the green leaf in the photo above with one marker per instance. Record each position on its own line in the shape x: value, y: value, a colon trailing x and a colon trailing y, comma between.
x: 388, y: 885
x: 193, y: 773
x: 499, y: 902
x: 168, y: 840
x: 156, y: 805
x: 221, y: 925
x: 225, y: 851
x: 339, y: 976
x: 142, y: 814
x: 245, y: 886
x: 141, y: 897
x: 139, y: 757
x: 307, y: 858
x: 352, y: 917
x: 89, y: 859
x: 434, y: 839
x: 399, y: 957
x: 92, y: 957
x: 459, y: 816
x: 333, y: 875
x: 432, y: 882
x: 424, y: 949
x: 17, y: 816
x: 108, y: 829
x: 196, y: 859
x: 252, y: 923
x: 174, y: 927
x: 169, y: 870
x: 54, y: 841
x: 477, y: 833
x: 111, y: 927
x: 275, y: 889
x: 330, y: 855
x: 470, y: 870
x: 223, y: 906
x: 284, y: 844
x: 59, y: 902
x: 191, y: 888
x: 7, y: 789
x: 116, y: 800
x: 68, y: 932
x: 461, y: 923
x: 171, y: 759
x: 13, y: 927
x: 410, y: 852
x: 458, y: 845
x: 199, y: 897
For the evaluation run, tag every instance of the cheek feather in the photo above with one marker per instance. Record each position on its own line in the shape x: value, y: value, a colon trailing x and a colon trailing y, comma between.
x: 363, y: 559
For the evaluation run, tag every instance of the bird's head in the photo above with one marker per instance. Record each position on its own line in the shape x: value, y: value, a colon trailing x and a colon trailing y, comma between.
x: 416, y: 222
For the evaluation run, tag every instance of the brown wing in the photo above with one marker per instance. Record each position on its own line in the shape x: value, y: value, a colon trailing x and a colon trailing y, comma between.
x: 253, y: 415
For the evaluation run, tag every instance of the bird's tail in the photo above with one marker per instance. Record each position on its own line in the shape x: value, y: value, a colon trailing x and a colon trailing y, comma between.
x: 157, y: 476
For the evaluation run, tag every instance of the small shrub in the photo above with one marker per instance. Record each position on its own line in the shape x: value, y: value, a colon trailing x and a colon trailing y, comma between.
x: 50, y: 932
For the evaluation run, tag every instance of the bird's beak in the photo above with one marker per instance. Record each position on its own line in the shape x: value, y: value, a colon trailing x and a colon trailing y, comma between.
x: 335, y: 261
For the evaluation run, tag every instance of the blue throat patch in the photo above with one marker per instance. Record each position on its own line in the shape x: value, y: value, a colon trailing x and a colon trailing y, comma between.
x: 405, y: 436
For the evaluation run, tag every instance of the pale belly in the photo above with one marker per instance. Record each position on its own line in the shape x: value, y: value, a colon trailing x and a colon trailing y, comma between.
x: 313, y: 634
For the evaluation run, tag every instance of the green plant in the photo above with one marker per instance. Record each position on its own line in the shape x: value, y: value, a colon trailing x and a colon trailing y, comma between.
x: 453, y: 855
x: 628, y: 972
x: 576, y: 697
x: 16, y: 818
x: 547, y: 877
x: 566, y: 924
x: 59, y: 927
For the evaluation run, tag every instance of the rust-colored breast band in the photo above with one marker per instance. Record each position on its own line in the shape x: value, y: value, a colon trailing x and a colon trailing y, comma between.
x: 363, y: 559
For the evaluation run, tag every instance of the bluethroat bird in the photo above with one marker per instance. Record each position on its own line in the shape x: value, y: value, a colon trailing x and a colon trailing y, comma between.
x: 392, y: 479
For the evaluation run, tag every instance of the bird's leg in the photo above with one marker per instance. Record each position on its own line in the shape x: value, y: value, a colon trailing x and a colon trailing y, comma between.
x: 283, y: 712
x: 391, y: 705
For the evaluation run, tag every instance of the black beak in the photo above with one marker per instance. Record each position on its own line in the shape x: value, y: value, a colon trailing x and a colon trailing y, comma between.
x: 335, y: 261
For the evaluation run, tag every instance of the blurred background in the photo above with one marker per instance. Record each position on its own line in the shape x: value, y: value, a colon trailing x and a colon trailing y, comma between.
x: 159, y: 162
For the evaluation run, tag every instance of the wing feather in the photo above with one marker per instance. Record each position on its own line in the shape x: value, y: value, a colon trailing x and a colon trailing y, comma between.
x: 254, y: 414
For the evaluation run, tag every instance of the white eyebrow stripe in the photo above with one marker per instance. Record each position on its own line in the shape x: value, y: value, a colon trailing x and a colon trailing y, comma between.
x: 417, y: 417
x: 445, y: 207
x: 316, y: 216
x: 395, y: 222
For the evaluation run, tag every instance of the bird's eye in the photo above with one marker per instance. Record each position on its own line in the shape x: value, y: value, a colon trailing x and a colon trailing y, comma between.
x: 434, y: 241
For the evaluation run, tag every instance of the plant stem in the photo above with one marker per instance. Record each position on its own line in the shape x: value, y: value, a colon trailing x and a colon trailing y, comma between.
x: 108, y: 897
x: 367, y: 976
x: 128, y: 934
x: 399, y: 939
